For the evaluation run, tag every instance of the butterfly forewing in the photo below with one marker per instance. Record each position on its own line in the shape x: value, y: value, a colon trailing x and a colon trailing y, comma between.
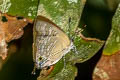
x: 50, y: 43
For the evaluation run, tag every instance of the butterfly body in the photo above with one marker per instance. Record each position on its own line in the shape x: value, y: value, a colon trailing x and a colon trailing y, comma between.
x: 50, y: 43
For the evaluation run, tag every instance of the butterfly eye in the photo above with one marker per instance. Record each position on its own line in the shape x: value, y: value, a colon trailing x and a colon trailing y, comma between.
x: 48, y: 68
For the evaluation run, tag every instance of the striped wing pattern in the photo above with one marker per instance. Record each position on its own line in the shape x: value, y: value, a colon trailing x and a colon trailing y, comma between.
x: 50, y: 43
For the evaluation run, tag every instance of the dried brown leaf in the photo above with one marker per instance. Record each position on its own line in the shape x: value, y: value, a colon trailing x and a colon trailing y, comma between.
x: 10, y: 29
x: 108, y: 68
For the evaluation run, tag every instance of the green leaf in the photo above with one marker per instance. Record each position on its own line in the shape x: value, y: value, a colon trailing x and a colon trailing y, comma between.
x: 66, y: 14
x: 68, y: 73
x: 113, y: 42
x: 61, y: 11
x: 25, y: 8
x: 85, y: 48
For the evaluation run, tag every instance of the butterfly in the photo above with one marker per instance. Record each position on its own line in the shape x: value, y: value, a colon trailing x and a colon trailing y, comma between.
x: 50, y: 43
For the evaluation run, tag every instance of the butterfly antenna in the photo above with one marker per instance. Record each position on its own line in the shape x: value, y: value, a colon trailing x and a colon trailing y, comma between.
x: 71, y: 36
x: 69, y: 27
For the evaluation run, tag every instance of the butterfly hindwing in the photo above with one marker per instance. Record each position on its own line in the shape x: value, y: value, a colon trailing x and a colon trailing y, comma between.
x: 50, y: 43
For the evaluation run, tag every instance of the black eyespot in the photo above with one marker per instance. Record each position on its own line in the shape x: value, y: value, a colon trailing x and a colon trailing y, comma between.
x: 4, y: 19
x: 40, y: 58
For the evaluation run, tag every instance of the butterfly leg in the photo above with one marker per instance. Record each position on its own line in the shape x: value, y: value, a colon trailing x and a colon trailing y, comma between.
x: 34, y: 70
x: 64, y: 61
